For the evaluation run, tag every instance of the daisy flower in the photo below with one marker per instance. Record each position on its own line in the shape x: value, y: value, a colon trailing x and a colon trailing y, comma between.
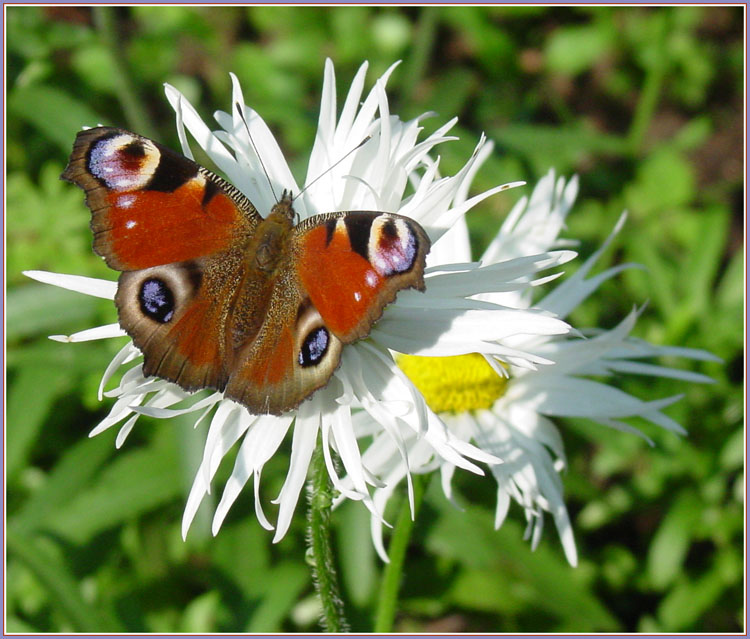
x: 391, y: 171
x: 507, y: 413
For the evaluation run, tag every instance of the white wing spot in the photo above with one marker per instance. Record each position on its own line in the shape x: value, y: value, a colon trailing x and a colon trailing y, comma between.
x: 371, y: 278
x: 124, y: 201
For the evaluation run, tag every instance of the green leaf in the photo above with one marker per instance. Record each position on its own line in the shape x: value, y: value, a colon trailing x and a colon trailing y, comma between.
x: 94, y: 62
x: 559, y: 146
x: 671, y: 542
x: 684, y: 606
x: 64, y: 589
x: 242, y: 550
x: 17, y: 626
x: 732, y: 453
x: 575, y: 49
x: 280, y: 595
x: 48, y: 226
x: 201, y: 613
x: 702, y: 264
x: 665, y: 180
x: 359, y: 571
x: 53, y: 111
x: 72, y: 474
x: 31, y: 395
x: 506, y: 560
x: 131, y: 485
x: 40, y: 309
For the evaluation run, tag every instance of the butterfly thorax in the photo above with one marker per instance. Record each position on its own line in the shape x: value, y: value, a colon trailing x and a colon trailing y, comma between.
x: 267, y: 256
x: 266, y: 247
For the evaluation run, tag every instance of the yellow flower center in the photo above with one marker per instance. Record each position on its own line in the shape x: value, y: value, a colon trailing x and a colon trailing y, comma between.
x: 454, y: 384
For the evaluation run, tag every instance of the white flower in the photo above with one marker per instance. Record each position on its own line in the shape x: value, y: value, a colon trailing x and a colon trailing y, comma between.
x: 392, y: 171
x: 508, y: 415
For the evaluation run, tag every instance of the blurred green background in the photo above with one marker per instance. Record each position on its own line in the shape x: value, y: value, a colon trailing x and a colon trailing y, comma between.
x: 646, y: 105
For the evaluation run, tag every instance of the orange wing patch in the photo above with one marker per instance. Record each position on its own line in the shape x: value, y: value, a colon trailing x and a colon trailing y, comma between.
x: 342, y: 284
x: 273, y: 367
x: 148, y: 228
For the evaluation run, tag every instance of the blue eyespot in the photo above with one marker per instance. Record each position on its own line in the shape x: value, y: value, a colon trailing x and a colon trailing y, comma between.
x: 157, y: 300
x: 314, y: 347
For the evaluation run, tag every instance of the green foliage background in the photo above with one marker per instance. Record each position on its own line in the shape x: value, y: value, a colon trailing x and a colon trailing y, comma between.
x: 645, y: 104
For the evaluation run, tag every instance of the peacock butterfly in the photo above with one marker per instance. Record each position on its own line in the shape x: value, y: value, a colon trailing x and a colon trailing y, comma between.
x: 215, y: 295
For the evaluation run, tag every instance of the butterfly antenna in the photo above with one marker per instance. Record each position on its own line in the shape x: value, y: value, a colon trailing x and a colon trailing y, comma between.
x: 333, y: 166
x: 255, y: 148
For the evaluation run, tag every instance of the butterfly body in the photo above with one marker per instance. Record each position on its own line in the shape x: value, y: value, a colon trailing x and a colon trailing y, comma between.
x: 215, y: 295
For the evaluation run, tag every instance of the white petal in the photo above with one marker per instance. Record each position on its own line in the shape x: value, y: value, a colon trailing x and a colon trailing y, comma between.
x: 126, y: 354
x: 303, y: 443
x: 230, y: 422
x: 86, y: 285
x: 90, y: 334
x: 167, y: 413
x: 205, y: 138
x: 260, y: 443
x: 124, y: 431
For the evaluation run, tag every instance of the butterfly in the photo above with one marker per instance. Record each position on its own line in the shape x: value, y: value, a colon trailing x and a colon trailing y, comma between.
x: 217, y: 296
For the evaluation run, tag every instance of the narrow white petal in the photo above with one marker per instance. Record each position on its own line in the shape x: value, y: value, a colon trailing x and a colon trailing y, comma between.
x: 87, y: 285
x: 260, y: 443
x: 124, y: 431
x: 199, y: 489
x: 168, y: 413
x: 181, y: 134
x: 118, y: 412
x: 264, y: 141
x: 230, y: 422
x: 126, y: 354
x: 575, y: 289
x: 90, y: 334
x: 502, y: 506
x: 638, y: 368
x: 218, y: 153
x: 349, y: 110
x: 453, y: 246
x: 303, y: 444
x: 328, y: 445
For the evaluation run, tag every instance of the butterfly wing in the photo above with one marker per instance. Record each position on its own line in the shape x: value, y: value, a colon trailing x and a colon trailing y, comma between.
x: 292, y: 355
x: 152, y: 206
x: 176, y: 230
x: 352, y: 264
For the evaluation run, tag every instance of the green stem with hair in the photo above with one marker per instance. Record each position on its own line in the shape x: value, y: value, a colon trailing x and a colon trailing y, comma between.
x: 319, y: 545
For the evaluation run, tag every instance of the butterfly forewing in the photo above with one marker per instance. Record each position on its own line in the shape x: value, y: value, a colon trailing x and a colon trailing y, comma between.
x: 353, y: 264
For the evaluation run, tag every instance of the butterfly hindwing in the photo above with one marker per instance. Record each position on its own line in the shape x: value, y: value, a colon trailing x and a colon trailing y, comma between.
x: 293, y: 354
x: 179, y: 316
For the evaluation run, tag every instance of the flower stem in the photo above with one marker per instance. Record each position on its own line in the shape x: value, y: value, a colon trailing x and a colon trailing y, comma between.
x: 389, y: 587
x: 319, y: 545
